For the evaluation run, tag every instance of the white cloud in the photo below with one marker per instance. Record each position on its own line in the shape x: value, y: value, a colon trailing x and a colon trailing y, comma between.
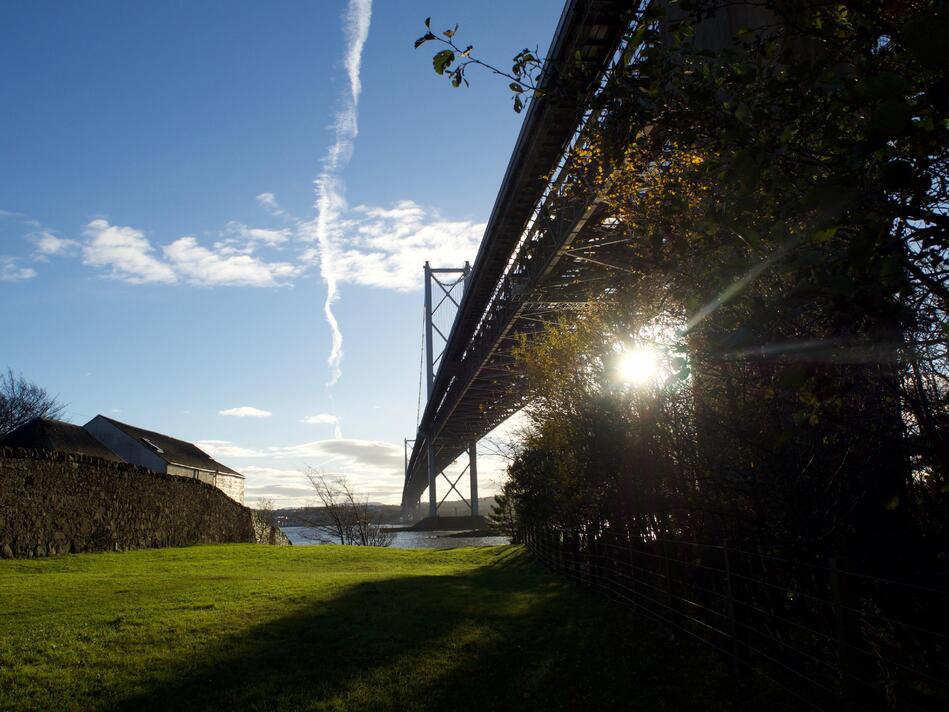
x: 206, y: 267
x: 273, y: 237
x: 382, y: 247
x: 329, y: 186
x: 130, y: 257
x: 358, y: 15
x: 386, y: 247
x: 347, y: 454
x: 279, y: 473
x: 21, y: 218
x: 48, y: 244
x: 258, y: 234
x: 125, y: 252
x: 289, y: 487
x: 320, y: 419
x: 246, y: 411
x: 374, y: 467
x: 268, y: 201
x: 325, y: 419
x: 225, y: 448
x: 11, y: 272
x: 286, y: 487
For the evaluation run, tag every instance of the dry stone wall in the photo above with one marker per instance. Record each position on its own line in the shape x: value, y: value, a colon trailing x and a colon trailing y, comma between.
x: 56, y: 503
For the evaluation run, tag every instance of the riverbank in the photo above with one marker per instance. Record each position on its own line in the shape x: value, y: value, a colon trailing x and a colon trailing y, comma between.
x: 329, y: 627
x: 404, y: 538
x: 451, y: 524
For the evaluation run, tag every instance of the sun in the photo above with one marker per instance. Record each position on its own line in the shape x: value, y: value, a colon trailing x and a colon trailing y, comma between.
x: 639, y: 366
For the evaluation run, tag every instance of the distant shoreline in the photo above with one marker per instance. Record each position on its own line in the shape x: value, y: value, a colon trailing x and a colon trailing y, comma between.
x: 471, y: 533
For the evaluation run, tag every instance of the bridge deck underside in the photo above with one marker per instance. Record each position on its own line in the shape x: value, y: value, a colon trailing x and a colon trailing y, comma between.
x: 533, y: 266
x: 490, y: 385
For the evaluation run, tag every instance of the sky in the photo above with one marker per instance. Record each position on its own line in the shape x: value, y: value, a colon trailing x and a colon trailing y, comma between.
x: 214, y: 216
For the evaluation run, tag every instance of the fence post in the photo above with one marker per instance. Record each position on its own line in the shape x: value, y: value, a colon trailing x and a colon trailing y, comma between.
x: 730, y: 608
x: 844, y: 663
x: 632, y: 571
x: 576, y: 557
x: 611, y: 584
x: 591, y: 561
x: 667, y: 570
x: 558, y: 543
x: 561, y: 564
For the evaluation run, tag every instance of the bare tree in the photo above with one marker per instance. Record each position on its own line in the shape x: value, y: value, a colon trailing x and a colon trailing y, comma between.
x: 22, y: 400
x: 366, y: 528
x: 339, y: 520
x: 265, y: 510
x: 347, y: 516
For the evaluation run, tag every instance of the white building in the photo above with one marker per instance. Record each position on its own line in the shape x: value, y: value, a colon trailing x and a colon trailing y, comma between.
x: 162, y: 453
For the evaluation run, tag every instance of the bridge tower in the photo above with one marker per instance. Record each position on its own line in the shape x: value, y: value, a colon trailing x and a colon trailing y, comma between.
x: 444, y: 287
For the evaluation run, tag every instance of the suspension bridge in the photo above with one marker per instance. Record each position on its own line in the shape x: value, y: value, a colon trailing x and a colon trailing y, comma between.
x: 547, y: 244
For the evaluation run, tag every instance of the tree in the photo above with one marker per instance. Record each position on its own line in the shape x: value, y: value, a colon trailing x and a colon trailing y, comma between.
x: 503, y: 516
x: 21, y: 401
x: 347, y: 516
x: 779, y: 196
x: 265, y: 510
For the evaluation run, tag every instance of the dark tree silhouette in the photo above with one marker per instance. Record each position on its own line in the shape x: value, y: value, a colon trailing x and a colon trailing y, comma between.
x: 22, y: 400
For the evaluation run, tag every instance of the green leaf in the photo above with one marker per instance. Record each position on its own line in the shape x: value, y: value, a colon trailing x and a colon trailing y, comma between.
x: 428, y: 22
x: 518, y: 104
x: 515, y: 87
x: 639, y: 36
x: 423, y: 39
x: 456, y: 78
x: 823, y: 235
x: 443, y: 60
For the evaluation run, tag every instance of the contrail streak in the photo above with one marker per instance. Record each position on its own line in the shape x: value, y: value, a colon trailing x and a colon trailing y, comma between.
x: 329, y: 187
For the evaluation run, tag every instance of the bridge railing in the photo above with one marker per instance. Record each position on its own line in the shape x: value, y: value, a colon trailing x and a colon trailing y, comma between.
x: 829, y: 636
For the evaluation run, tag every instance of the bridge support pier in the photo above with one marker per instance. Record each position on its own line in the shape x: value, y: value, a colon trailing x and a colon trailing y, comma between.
x: 432, y: 476
x: 473, y: 475
x: 446, y: 296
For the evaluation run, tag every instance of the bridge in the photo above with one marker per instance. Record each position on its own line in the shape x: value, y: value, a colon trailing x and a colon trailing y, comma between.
x: 547, y: 244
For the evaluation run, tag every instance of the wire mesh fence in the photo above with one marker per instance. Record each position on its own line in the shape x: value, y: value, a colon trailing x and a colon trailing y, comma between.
x: 831, y: 637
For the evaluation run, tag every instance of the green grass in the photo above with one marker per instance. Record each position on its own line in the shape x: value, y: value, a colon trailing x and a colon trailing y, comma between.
x: 325, y: 627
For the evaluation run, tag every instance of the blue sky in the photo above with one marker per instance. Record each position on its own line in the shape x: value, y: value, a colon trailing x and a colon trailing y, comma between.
x: 170, y: 217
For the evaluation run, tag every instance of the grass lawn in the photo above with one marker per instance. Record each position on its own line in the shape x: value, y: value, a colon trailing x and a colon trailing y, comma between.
x: 328, y: 627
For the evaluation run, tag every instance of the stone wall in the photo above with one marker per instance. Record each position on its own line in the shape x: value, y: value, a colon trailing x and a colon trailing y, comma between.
x: 230, y: 485
x: 55, y: 503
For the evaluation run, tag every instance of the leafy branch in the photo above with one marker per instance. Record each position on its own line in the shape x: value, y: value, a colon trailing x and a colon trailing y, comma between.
x: 453, y: 62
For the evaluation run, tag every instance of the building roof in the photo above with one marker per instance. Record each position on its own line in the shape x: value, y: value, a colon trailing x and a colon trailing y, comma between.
x: 172, y: 450
x: 55, y: 435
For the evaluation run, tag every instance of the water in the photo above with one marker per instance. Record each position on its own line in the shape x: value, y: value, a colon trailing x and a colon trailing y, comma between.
x: 305, y: 536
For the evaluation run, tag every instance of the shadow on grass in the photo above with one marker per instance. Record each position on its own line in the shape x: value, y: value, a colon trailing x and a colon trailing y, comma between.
x: 505, y: 636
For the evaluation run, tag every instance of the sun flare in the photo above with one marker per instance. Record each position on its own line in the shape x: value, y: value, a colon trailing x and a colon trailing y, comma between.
x: 639, y: 366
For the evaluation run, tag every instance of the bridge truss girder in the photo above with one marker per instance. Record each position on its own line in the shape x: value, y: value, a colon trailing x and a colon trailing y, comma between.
x: 524, y: 277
